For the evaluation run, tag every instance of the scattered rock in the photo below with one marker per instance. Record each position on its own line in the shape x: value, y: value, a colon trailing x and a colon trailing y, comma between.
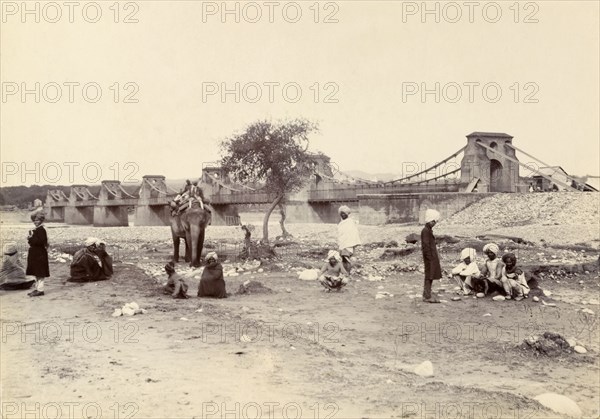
x: 572, y: 342
x: 536, y: 299
x: 499, y: 298
x: 580, y: 349
x: 424, y: 369
x: 550, y: 344
x: 117, y: 312
x: 309, y: 275
x: 480, y: 295
x: 455, y: 298
x: 253, y: 287
x: 559, y: 404
x: 587, y: 311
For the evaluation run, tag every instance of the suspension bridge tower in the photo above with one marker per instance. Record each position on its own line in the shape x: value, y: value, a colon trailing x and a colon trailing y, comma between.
x: 495, y: 170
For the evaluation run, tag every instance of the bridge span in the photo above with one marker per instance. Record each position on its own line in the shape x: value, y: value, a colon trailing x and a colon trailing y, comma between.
x: 489, y: 164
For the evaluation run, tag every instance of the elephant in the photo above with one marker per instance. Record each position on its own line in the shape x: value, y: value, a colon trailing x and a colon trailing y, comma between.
x: 190, y: 226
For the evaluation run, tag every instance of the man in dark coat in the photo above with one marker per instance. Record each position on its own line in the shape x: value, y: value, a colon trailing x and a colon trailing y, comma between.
x: 431, y: 260
x: 212, y: 283
x: 37, y: 256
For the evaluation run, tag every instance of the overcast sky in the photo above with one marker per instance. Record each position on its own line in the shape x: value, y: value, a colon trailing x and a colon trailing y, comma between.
x: 360, y: 75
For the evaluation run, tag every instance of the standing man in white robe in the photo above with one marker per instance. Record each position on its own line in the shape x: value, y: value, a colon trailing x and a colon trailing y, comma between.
x: 348, y: 237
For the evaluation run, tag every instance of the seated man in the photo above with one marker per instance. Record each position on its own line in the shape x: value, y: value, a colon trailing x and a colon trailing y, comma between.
x: 212, y: 283
x: 85, y: 266
x: 514, y: 278
x: 176, y: 285
x: 467, y: 271
x: 491, y: 272
x: 333, y: 274
x: 12, y: 273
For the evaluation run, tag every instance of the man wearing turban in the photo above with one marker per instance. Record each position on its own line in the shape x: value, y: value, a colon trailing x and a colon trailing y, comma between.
x: 348, y: 237
x: 513, y: 278
x: 492, y: 268
x: 212, y: 283
x: 466, y: 270
x: 91, y: 263
x: 12, y: 273
x: 333, y: 274
x: 37, y: 256
x: 176, y: 285
x: 431, y: 260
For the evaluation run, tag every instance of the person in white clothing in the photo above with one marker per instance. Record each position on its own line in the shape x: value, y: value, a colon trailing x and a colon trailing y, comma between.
x: 348, y: 237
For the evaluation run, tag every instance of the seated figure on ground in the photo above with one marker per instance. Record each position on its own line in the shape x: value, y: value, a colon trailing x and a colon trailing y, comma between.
x: 92, y: 263
x: 12, y: 273
x: 212, y: 283
x: 333, y: 274
x: 176, y: 285
x: 491, y: 272
x: 513, y: 278
x: 467, y: 271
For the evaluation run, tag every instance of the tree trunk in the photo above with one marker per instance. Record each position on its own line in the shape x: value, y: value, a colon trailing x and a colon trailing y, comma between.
x: 284, y: 232
x: 265, y: 239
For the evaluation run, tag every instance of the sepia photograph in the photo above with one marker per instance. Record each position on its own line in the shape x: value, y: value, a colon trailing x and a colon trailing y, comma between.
x: 300, y: 209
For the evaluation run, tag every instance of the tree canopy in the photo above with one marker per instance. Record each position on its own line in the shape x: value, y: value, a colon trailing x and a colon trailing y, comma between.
x: 274, y: 154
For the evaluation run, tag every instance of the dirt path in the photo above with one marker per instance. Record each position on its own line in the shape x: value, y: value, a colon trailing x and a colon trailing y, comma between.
x: 303, y: 353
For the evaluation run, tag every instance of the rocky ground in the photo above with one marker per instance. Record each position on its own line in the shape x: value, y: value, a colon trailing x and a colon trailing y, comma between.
x: 281, y: 347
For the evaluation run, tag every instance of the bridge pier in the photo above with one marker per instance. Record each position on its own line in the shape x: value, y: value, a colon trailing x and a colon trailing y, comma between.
x: 108, y: 212
x: 55, y: 214
x: 151, y: 209
x: 79, y: 215
x: 110, y: 216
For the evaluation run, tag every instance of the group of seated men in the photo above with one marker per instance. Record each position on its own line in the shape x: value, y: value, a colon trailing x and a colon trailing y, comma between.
x: 496, y: 274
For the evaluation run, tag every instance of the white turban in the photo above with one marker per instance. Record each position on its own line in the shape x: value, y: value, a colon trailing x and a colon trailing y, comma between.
x: 345, y: 209
x: 432, y: 215
x: 211, y: 255
x: 468, y: 253
x: 492, y: 247
x: 99, y: 242
x: 334, y: 254
x: 10, y: 249
x: 90, y: 241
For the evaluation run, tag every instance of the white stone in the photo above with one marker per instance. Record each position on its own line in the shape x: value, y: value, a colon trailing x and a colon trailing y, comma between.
x: 547, y: 293
x: 587, y: 310
x: 127, y: 311
x: 117, y: 312
x: 245, y: 338
x: 593, y: 301
x: 580, y: 349
x: 424, y: 369
x: 455, y: 298
x: 560, y: 404
x: 572, y: 342
x: 309, y: 275
x: 487, y: 315
x: 536, y: 299
x: 499, y: 298
x: 480, y: 295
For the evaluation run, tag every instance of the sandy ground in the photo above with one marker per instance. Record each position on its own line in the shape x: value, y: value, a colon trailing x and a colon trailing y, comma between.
x: 295, y: 352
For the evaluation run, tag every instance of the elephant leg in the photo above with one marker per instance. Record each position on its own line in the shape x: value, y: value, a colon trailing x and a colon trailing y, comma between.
x: 200, y: 243
x: 189, y: 246
x: 188, y: 253
x: 175, y: 249
x: 194, y: 234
